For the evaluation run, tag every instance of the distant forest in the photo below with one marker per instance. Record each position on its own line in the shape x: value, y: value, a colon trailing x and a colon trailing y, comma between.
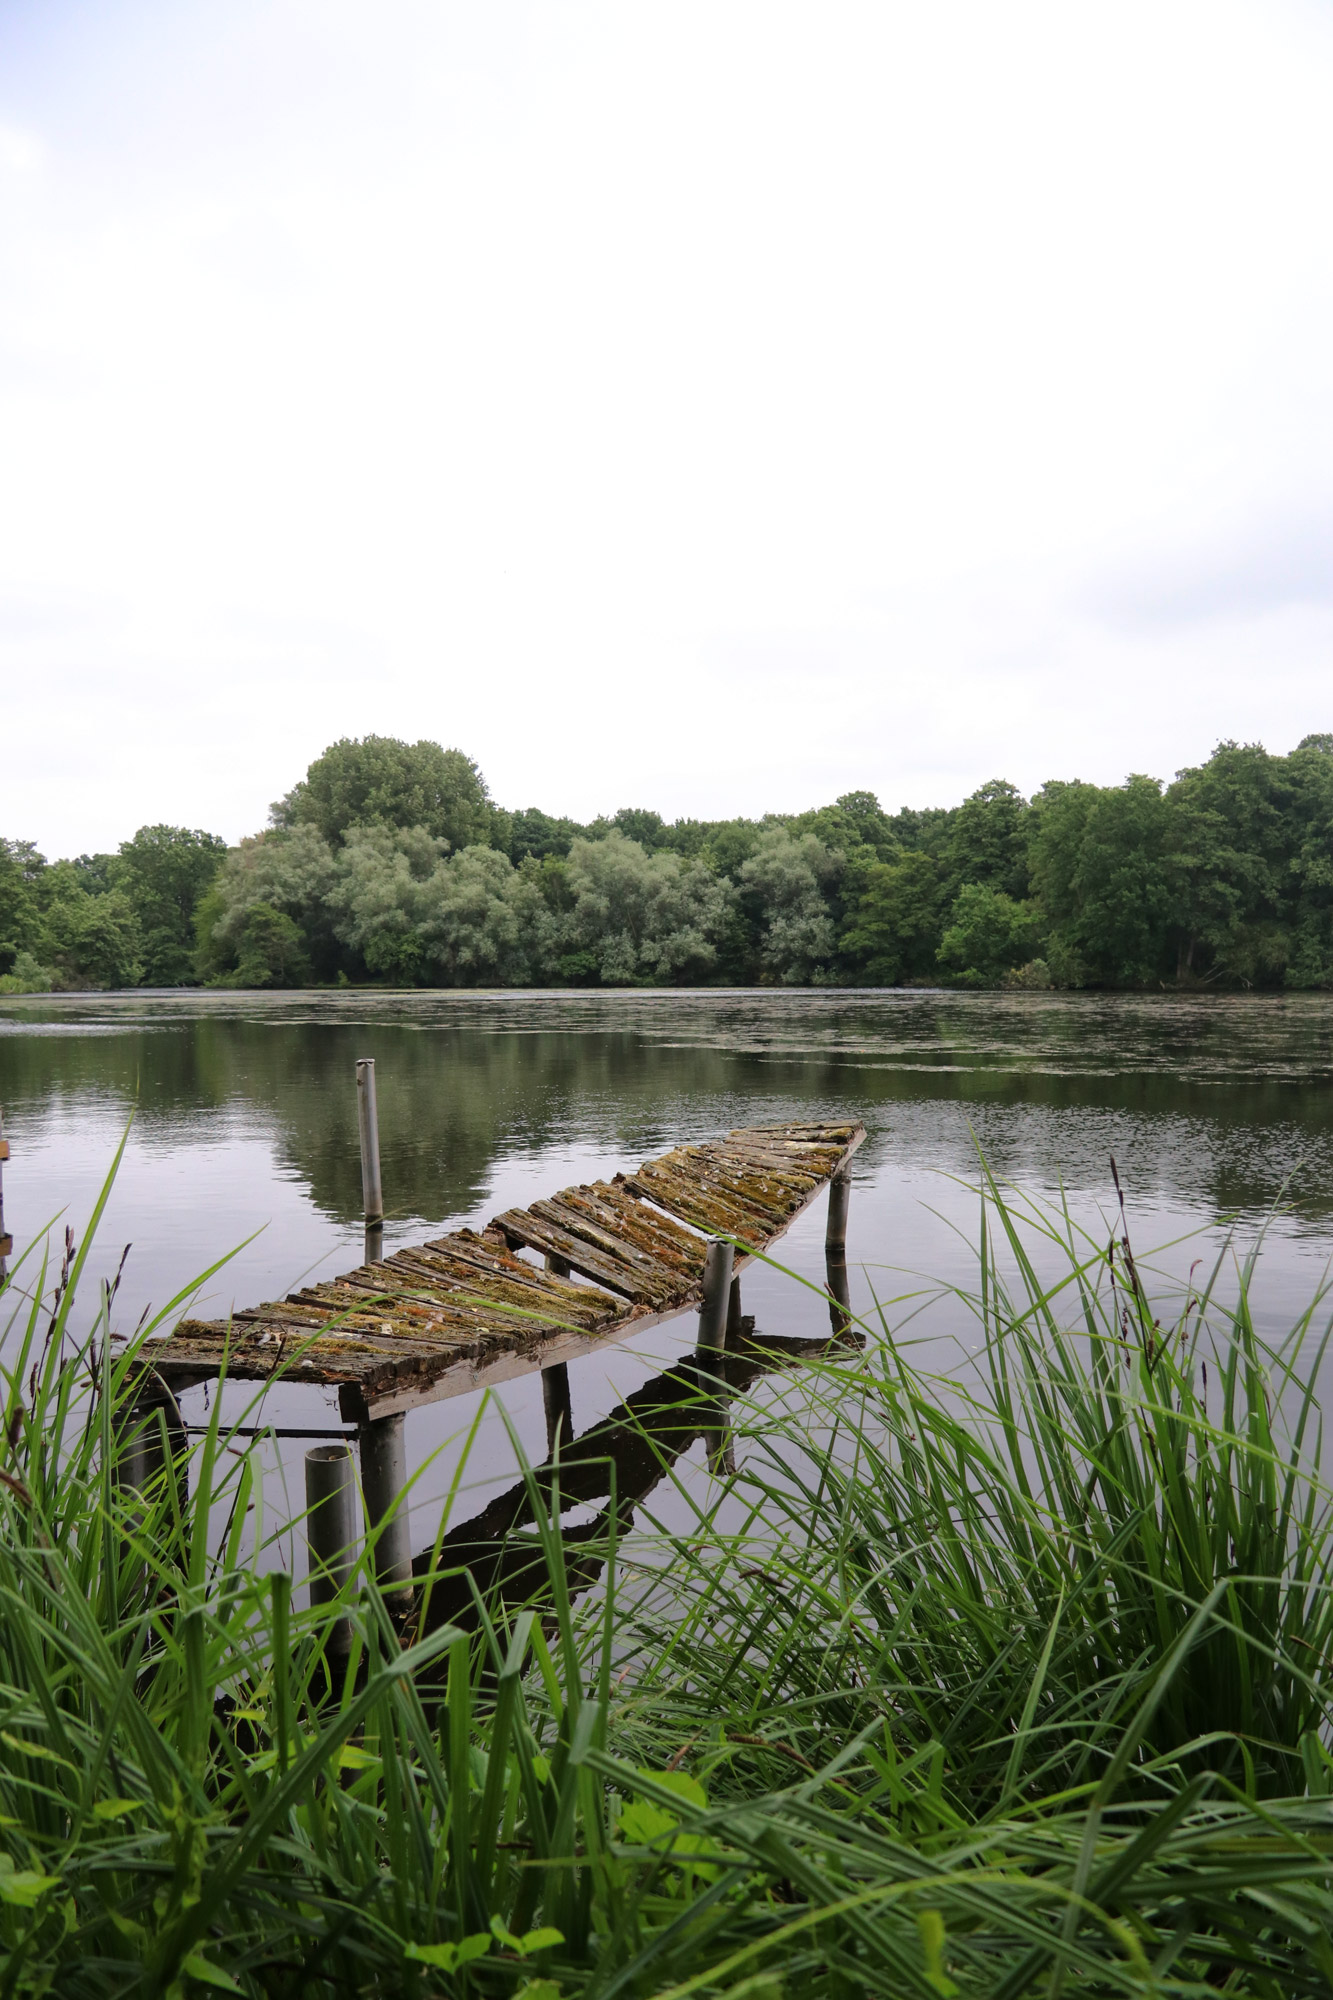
x: 390, y: 863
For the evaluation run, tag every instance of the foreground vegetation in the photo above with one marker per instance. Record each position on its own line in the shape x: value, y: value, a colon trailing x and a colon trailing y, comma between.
x: 389, y: 861
x: 1016, y: 1683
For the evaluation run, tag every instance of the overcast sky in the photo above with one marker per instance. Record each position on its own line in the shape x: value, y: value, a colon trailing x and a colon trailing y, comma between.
x: 715, y: 407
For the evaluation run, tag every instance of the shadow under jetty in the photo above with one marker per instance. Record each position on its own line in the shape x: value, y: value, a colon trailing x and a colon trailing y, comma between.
x: 497, y: 1556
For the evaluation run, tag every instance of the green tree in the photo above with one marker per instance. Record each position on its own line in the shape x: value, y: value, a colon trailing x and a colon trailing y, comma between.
x: 288, y: 870
x: 989, y: 934
x: 633, y: 918
x: 1230, y: 846
x: 21, y: 872
x: 784, y: 882
x: 385, y: 884
x: 893, y: 930
x: 640, y: 824
x: 988, y: 839
x: 419, y: 916
x: 271, y: 950
x: 855, y: 822
x: 166, y: 871
x: 91, y: 940
x: 1102, y: 881
x: 381, y: 781
x: 922, y: 830
x: 490, y: 924
x: 727, y: 844
x: 1310, y: 910
x: 534, y: 834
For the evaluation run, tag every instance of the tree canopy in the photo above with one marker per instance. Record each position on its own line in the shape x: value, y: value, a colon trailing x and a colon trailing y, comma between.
x: 389, y: 861
x: 380, y: 781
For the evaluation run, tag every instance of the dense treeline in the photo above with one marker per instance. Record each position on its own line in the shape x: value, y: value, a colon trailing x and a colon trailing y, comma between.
x: 390, y: 862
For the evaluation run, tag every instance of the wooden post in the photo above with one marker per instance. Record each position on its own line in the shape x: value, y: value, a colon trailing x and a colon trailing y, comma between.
x: 367, y: 1118
x: 383, y: 1444
x: 735, y: 1324
x: 330, y: 1491
x: 839, y: 1195
x: 717, y: 1294
x: 6, y: 1242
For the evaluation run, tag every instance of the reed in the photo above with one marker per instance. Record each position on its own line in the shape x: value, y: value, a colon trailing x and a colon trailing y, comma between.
x: 1007, y: 1684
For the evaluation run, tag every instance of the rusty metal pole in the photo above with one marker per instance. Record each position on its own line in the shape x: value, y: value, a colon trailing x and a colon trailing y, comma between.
x: 383, y: 1443
x: 556, y: 1400
x: 839, y: 1195
x: 839, y: 1293
x: 717, y: 1294
x: 330, y: 1494
x: 720, y: 1291
x: 559, y: 1407
x: 6, y: 1242
x: 372, y: 1193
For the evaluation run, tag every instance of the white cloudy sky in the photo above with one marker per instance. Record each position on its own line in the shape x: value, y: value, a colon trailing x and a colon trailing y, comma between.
x: 714, y: 406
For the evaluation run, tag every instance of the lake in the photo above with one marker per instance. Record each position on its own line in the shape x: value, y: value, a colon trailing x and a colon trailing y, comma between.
x: 244, y: 1138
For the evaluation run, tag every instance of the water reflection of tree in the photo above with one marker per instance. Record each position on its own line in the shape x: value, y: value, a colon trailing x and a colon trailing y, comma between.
x: 451, y: 1104
x: 1215, y: 1103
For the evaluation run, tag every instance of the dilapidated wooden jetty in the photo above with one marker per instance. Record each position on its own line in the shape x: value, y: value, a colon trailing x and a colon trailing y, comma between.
x: 471, y: 1308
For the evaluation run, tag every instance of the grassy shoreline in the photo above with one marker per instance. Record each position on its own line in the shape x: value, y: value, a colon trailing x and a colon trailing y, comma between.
x: 1018, y: 1686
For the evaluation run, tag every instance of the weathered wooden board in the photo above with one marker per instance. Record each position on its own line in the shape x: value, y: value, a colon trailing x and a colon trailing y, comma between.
x: 441, y: 1317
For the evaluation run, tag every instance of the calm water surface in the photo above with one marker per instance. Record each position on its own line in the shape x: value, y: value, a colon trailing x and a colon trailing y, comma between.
x: 244, y: 1132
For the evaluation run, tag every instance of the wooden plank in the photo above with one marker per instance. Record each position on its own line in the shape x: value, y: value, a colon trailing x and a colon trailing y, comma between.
x: 692, y: 1199
x: 577, y: 1218
x: 612, y: 1207
x: 520, y: 1225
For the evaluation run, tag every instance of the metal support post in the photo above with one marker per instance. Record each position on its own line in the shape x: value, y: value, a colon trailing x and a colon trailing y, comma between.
x: 156, y: 1439
x: 717, y: 1294
x: 839, y: 1195
x: 721, y: 1305
x: 555, y: 1381
x: 557, y: 1403
x: 383, y: 1483
x: 6, y: 1242
x: 330, y: 1497
x: 839, y: 1292
x: 372, y: 1193
x: 720, y: 1442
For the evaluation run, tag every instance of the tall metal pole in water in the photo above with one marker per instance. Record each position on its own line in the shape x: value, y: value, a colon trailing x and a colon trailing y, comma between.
x: 372, y: 1194
x: 6, y: 1242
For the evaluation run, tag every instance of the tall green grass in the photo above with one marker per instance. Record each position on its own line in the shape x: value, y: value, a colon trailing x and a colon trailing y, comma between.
x: 1015, y: 1683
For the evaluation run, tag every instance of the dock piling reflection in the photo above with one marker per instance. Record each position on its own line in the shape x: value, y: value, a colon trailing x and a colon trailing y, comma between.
x: 619, y: 1460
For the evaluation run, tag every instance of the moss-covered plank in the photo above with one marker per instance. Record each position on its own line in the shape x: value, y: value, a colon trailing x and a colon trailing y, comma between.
x: 520, y: 1225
